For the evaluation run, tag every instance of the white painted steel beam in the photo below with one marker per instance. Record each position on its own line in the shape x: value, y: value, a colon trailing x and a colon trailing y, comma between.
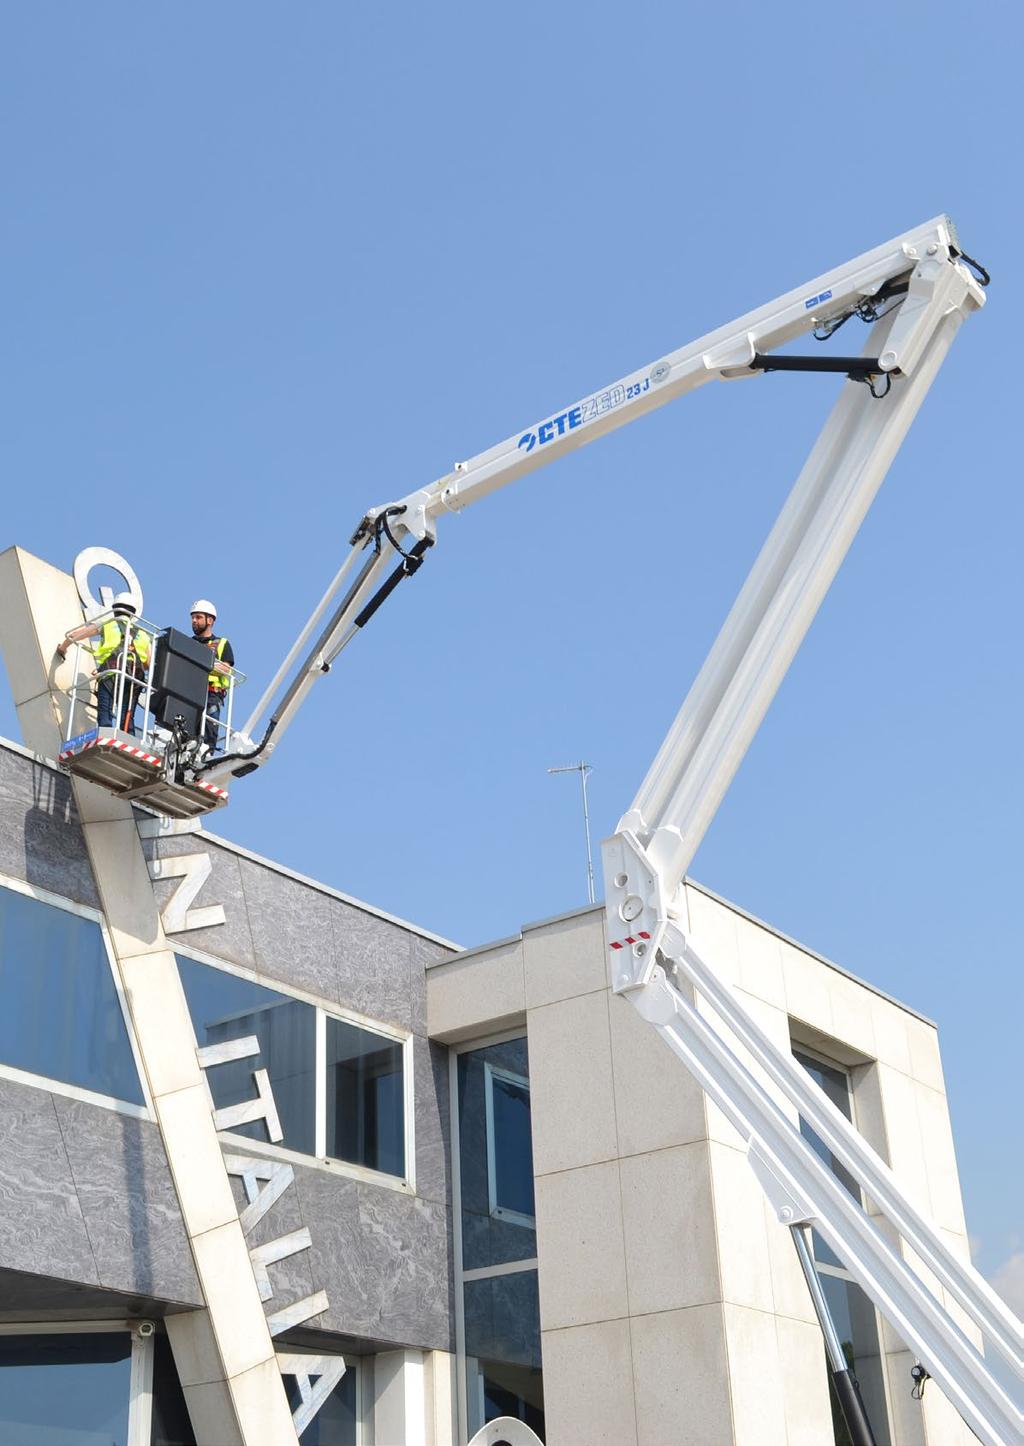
x: 769, y: 620
x: 726, y: 353
x: 646, y: 860
x: 803, y: 1189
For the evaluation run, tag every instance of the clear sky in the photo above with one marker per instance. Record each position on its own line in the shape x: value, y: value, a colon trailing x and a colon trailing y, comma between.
x: 267, y: 265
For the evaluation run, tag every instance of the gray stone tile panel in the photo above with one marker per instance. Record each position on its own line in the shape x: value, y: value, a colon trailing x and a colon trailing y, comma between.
x: 433, y: 1121
x: 231, y: 940
x: 128, y: 1203
x: 293, y: 934
x: 291, y: 931
x: 422, y: 953
x: 382, y: 1256
x: 41, y: 1224
x: 373, y: 971
x: 40, y: 837
x: 503, y: 1318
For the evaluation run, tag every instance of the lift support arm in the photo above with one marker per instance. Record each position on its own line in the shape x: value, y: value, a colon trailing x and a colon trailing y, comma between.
x: 916, y: 290
x: 391, y: 540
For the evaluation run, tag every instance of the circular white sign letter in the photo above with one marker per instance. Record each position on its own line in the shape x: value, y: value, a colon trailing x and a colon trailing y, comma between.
x: 505, y: 1431
x: 91, y: 557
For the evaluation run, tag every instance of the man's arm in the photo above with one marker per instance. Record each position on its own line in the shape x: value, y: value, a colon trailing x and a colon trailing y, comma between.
x: 77, y: 635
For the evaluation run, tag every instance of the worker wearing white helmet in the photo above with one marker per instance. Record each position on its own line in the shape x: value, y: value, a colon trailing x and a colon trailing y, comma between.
x: 122, y: 661
x: 204, y: 615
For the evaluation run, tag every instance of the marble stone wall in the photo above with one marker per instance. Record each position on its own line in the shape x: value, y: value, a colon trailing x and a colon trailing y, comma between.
x: 40, y: 837
x: 86, y: 1195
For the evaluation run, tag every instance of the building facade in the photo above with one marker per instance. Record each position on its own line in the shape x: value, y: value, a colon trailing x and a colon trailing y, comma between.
x: 470, y: 1183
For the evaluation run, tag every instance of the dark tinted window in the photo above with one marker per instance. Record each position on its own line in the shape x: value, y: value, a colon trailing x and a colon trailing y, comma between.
x: 61, y: 1016
x: 495, y: 1161
x: 837, y: 1087
x: 852, y: 1313
x: 336, y: 1423
x: 510, y: 1145
x: 224, y: 1007
x: 71, y: 1389
x: 365, y: 1098
x: 502, y: 1316
x: 171, y: 1425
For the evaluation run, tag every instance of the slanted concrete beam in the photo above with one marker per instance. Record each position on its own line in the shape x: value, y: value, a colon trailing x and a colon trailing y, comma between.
x: 224, y: 1353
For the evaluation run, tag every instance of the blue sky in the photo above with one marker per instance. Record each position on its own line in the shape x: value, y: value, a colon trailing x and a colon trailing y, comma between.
x: 268, y: 265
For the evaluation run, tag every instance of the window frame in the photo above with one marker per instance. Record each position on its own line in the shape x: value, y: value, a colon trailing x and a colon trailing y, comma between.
x: 408, y: 1063
x: 840, y: 1272
x: 62, y: 1087
x: 496, y: 1210
x: 140, y: 1380
x: 324, y: 1010
x: 461, y: 1275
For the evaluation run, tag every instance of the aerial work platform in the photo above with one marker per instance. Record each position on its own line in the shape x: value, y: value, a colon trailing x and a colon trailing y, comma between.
x: 154, y: 684
x: 120, y: 763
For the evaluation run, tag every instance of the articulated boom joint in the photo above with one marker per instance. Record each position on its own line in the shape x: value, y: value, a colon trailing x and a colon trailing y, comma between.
x: 639, y: 909
x: 412, y: 519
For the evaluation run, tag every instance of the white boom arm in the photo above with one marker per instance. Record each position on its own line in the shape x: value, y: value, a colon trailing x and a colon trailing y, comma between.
x: 920, y: 258
x: 917, y: 292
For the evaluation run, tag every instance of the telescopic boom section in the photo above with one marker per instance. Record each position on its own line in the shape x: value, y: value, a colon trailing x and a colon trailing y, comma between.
x: 894, y: 274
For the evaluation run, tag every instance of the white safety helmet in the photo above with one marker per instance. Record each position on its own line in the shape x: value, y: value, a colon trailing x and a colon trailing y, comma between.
x: 204, y: 605
x: 123, y: 603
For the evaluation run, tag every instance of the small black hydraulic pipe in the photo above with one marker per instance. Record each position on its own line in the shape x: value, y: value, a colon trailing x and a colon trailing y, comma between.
x: 248, y: 765
x: 851, y: 366
x: 410, y: 563
x: 845, y: 1382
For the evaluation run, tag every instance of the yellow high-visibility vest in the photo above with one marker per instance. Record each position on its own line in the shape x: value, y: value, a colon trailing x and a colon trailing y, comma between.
x: 112, y: 640
x: 218, y: 682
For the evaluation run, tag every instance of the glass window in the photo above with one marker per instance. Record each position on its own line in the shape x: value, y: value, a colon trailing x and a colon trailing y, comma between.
x: 857, y: 1325
x: 71, y: 1389
x: 502, y: 1315
x: 509, y: 1145
x: 225, y: 1007
x: 61, y: 1017
x: 835, y: 1084
x: 365, y: 1098
x: 499, y: 1335
x: 495, y: 1156
x: 335, y: 1424
x: 851, y: 1310
x: 171, y: 1425
x: 337, y: 1421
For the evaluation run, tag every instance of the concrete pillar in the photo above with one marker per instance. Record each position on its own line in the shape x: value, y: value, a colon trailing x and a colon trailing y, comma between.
x: 440, y: 1398
x: 400, y: 1399
x: 224, y: 1353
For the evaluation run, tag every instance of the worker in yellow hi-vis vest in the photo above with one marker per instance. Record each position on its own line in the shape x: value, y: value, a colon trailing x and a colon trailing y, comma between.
x: 120, y: 671
x: 204, y: 615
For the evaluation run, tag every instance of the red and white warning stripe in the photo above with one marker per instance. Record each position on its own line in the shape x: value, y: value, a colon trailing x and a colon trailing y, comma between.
x: 140, y: 753
x: 210, y: 788
x: 117, y: 745
x: 630, y: 939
